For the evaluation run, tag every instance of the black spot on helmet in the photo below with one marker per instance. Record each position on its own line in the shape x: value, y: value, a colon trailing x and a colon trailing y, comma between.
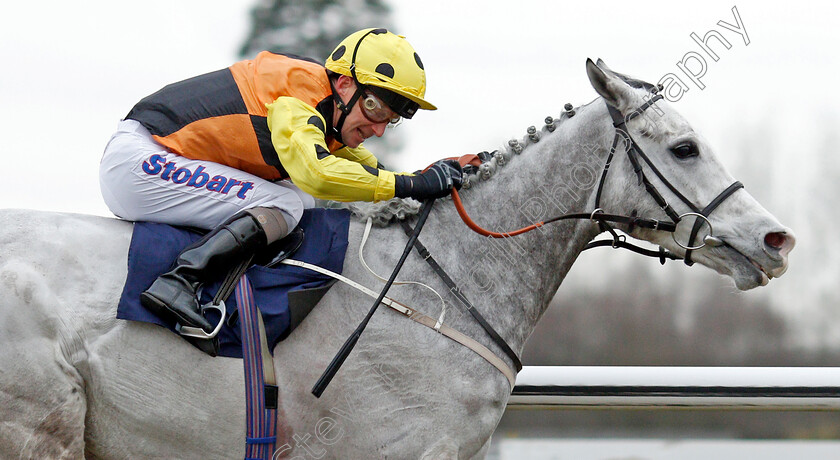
x: 386, y: 69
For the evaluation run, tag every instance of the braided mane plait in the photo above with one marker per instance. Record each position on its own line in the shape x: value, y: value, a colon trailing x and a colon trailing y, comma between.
x: 385, y: 212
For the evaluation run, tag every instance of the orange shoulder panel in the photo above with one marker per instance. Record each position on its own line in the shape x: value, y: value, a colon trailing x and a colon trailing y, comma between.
x: 269, y: 76
x: 227, y: 140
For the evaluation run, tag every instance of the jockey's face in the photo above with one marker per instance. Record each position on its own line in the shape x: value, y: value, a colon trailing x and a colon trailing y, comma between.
x: 357, y: 127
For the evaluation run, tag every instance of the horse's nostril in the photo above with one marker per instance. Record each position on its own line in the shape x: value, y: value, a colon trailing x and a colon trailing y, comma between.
x: 775, y: 240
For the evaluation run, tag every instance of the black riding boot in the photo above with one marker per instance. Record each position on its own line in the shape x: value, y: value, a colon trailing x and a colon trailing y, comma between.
x: 174, y: 292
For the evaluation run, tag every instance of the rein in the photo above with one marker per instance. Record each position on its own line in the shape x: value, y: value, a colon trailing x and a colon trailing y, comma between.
x: 598, y: 215
x: 633, y: 152
x: 456, y: 291
x: 351, y: 341
x: 633, y: 220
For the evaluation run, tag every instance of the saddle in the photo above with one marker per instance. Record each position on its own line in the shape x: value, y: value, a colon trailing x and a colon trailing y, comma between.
x: 285, y: 294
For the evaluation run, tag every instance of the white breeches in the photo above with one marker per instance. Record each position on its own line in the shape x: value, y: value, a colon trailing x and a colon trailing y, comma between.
x: 142, y: 180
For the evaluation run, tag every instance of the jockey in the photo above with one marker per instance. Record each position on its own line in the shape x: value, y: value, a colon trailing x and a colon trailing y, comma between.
x: 242, y: 152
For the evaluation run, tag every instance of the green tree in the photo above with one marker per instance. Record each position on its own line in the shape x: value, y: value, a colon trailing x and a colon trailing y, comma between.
x: 310, y: 28
x: 313, y: 28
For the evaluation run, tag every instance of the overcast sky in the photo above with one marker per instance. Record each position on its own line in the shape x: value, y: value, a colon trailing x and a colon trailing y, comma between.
x: 73, y: 69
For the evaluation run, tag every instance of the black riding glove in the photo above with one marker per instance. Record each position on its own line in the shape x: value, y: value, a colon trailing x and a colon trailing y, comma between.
x: 435, y: 182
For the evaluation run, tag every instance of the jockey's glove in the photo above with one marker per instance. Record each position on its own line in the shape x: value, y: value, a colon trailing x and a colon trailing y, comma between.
x: 436, y: 181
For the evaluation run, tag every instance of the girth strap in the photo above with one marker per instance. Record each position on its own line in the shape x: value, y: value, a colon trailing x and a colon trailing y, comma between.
x: 453, y: 288
x: 261, y: 391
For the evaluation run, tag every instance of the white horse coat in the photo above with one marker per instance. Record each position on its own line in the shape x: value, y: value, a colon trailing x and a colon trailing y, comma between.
x: 75, y: 381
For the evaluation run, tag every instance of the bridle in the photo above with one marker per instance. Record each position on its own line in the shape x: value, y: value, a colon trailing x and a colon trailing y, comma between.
x: 634, y: 152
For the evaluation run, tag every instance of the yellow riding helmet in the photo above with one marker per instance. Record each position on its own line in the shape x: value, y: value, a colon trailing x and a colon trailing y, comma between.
x: 381, y: 59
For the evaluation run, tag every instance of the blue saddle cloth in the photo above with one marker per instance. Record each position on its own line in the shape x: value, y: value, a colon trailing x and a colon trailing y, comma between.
x: 154, y: 247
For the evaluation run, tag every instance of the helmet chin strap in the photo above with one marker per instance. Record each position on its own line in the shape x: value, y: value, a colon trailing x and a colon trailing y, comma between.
x: 344, y: 108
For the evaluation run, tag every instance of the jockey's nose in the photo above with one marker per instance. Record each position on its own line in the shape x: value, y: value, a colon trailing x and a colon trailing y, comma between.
x: 379, y: 128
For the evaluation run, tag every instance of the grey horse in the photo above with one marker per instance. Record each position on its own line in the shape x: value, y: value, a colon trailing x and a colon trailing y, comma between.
x: 75, y: 382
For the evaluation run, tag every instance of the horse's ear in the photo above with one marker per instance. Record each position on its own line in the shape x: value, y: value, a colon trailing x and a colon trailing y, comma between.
x: 606, y: 83
x: 603, y: 65
x: 632, y: 81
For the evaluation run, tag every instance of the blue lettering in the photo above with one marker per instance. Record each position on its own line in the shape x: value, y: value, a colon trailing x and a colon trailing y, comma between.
x: 245, y: 187
x: 167, y: 170
x: 229, y: 185
x: 181, y: 175
x: 152, y: 166
x: 199, y: 178
x: 217, y: 183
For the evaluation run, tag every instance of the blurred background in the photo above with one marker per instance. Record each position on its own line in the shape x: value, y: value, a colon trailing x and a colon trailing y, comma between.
x: 73, y: 69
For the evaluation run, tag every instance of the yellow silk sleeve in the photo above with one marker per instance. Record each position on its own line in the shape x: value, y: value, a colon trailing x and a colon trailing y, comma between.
x: 297, y: 133
x: 359, y: 155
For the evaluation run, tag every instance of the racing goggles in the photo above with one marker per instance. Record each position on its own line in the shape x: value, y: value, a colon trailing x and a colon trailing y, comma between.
x: 377, y: 111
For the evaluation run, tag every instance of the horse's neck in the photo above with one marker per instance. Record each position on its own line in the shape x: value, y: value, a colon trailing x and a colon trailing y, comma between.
x: 512, y: 280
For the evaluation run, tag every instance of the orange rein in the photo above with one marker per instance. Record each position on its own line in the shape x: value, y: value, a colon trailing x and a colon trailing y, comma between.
x: 459, y: 206
x: 476, y: 228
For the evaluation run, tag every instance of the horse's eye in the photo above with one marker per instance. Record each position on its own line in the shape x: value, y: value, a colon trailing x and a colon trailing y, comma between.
x: 685, y: 150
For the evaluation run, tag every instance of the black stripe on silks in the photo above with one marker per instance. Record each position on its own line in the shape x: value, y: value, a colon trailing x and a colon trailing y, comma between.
x: 179, y: 104
x: 318, y: 123
x: 325, y: 108
x: 321, y: 152
x: 371, y: 170
x: 269, y: 155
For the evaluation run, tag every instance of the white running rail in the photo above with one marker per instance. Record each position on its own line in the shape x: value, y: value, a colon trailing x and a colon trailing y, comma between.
x: 649, y: 387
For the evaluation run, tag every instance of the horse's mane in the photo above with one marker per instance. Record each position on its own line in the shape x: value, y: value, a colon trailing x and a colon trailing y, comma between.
x: 384, y: 213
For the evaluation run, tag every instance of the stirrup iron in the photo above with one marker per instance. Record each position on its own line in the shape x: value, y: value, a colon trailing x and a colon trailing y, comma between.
x: 199, y: 333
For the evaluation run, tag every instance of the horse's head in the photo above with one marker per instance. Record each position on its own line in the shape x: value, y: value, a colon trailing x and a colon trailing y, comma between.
x: 746, y: 243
